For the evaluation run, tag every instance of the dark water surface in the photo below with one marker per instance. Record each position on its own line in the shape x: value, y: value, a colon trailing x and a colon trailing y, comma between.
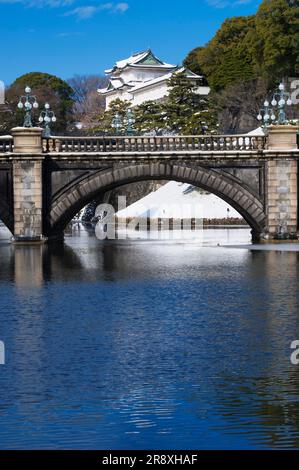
x: 148, y: 345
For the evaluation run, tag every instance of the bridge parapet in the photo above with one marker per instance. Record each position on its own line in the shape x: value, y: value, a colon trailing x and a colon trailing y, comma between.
x: 282, y: 137
x: 6, y: 144
x: 27, y: 140
x: 207, y: 143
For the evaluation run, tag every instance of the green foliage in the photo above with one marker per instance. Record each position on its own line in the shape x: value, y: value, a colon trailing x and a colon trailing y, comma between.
x: 226, y: 58
x: 39, y: 80
x: 105, y: 120
x: 274, y: 42
x: 265, y: 45
x: 192, y: 63
x: 47, y: 88
x: 149, y: 117
x: 186, y: 111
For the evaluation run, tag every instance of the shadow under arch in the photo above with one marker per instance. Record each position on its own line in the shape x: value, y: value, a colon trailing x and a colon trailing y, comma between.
x: 6, y: 216
x: 223, y: 185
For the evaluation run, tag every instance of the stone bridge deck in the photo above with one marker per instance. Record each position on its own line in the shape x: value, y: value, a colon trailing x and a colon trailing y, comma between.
x: 45, y: 182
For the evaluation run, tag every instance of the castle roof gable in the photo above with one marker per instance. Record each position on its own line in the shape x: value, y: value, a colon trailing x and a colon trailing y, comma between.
x: 141, y: 59
x: 117, y: 83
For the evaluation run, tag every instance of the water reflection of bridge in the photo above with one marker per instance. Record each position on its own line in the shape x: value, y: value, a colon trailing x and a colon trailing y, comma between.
x: 247, y: 339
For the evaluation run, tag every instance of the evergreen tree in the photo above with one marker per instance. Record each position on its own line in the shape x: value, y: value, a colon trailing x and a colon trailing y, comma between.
x: 261, y: 46
x: 192, y: 63
x: 149, y: 117
x: 186, y: 111
x: 106, y: 120
x: 226, y: 58
x: 47, y: 88
x: 274, y: 41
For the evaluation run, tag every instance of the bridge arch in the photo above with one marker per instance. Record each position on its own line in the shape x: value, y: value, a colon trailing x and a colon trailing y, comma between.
x: 222, y: 184
x: 6, y: 215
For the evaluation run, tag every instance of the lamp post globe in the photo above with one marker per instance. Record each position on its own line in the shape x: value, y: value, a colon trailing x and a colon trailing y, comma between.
x: 27, y: 102
x: 46, y: 117
x: 130, y: 121
x: 117, y: 123
x: 281, y: 99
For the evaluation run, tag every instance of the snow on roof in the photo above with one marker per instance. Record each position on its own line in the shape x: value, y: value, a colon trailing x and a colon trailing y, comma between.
x: 188, y: 73
x: 135, y: 59
x: 163, y: 65
x: 165, y: 77
x: 147, y: 83
x: 140, y: 85
x: 116, y: 85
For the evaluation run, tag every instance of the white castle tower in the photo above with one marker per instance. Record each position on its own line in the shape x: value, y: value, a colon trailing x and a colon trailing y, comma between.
x: 143, y: 77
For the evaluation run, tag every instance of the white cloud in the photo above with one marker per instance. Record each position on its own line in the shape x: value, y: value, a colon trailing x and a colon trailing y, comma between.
x: 68, y: 34
x: 40, y: 3
x: 227, y: 3
x: 81, y: 12
x: 84, y: 13
x: 122, y: 7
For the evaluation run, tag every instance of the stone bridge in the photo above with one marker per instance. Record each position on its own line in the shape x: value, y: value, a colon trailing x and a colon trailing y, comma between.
x: 45, y: 182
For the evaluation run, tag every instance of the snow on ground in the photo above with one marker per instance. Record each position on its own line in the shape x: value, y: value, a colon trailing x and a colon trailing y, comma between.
x: 259, y: 131
x: 178, y: 200
x: 173, y: 200
x: 267, y: 246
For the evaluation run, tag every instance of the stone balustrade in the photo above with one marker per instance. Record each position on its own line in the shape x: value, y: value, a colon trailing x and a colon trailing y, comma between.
x: 6, y: 144
x: 206, y: 143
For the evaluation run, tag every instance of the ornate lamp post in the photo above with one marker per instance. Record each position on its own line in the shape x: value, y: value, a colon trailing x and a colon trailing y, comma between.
x: 28, y: 102
x: 130, y: 121
x: 47, y: 116
x: 266, y: 114
x: 281, y: 98
x: 117, y: 123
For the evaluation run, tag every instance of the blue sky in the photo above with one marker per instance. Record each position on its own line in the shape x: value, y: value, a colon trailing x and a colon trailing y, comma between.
x: 68, y: 37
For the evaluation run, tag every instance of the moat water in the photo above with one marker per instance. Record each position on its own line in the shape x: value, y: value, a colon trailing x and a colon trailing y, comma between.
x: 148, y: 344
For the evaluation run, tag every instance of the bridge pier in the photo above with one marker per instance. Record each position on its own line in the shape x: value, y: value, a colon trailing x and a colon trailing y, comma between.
x: 282, y: 183
x: 282, y: 198
x: 28, y: 185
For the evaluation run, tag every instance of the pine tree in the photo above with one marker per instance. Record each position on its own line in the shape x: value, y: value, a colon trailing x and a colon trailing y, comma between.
x: 149, y: 117
x: 116, y: 107
x: 186, y: 111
